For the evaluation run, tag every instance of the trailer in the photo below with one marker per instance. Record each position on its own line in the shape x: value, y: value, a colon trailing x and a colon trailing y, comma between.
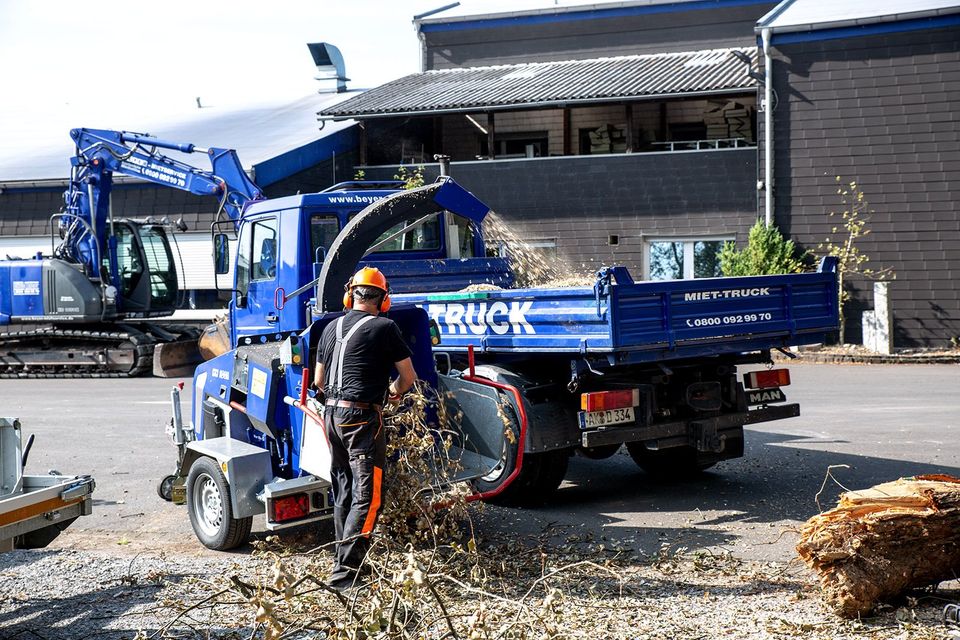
x: 34, y: 510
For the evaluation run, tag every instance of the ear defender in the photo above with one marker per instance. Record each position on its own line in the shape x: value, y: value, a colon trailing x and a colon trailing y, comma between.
x: 370, y: 277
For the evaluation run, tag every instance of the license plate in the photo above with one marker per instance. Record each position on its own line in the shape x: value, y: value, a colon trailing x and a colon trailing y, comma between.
x: 592, y: 419
x: 764, y: 396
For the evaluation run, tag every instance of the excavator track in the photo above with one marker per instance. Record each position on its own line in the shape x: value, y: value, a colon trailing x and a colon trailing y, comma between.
x: 117, y: 351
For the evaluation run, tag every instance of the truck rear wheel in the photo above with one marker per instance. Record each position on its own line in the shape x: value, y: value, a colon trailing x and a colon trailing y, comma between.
x: 208, y: 503
x: 669, y: 464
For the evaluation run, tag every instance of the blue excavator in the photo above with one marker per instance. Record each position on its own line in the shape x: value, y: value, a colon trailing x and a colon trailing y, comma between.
x: 85, y: 310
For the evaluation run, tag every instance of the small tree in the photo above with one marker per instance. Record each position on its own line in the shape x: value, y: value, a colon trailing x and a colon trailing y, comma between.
x: 767, y: 253
x: 850, y: 261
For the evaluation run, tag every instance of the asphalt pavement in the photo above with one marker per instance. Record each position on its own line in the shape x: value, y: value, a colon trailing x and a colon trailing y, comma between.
x: 865, y: 423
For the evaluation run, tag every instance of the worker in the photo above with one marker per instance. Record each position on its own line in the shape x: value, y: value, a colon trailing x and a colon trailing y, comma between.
x: 356, y: 355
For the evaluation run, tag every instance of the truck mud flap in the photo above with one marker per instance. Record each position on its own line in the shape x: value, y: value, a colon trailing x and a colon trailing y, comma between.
x: 481, y: 441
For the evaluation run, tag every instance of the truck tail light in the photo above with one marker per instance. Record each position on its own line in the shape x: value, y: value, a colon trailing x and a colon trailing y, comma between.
x: 766, y: 379
x: 605, y: 400
x: 290, y: 507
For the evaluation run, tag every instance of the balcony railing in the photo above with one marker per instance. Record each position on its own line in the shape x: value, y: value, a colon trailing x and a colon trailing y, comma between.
x: 692, y: 145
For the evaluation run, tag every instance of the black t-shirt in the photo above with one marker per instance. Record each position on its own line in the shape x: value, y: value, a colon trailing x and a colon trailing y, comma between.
x: 368, y: 359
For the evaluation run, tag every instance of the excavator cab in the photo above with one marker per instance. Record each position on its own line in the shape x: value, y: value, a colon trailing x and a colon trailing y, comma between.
x: 147, y: 273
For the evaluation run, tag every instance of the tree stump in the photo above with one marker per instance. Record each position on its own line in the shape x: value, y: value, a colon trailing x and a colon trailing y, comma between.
x: 878, y: 543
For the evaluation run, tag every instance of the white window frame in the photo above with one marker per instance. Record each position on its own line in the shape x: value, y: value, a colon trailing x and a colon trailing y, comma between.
x: 538, y: 243
x: 688, y: 244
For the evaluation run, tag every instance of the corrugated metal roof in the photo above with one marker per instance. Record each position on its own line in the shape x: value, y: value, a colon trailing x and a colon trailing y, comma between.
x: 263, y: 136
x: 474, y: 9
x: 553, y: 83
x: 807, y: 15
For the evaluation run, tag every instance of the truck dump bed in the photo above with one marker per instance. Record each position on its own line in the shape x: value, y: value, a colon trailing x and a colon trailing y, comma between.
x: 641, y: 321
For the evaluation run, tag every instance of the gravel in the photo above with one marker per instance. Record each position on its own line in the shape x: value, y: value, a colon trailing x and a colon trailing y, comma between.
x: 74, y: 593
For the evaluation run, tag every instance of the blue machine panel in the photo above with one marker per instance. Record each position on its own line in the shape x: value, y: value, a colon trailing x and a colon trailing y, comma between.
x: 21, y: 283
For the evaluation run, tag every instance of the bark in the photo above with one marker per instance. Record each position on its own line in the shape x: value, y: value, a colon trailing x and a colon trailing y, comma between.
x: 879, y: 543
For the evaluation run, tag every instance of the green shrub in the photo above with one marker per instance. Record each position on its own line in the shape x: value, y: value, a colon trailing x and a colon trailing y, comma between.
x: 767, y: 253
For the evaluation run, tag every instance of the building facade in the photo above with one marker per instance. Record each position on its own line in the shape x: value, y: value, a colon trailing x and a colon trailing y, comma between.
x: 867, y: 103
x: 863, y: 100
x: 605, y: 133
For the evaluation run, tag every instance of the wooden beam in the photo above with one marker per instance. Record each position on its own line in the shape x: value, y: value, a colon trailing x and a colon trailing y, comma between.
x: 663, y: 122
x: 363, y: 144
x: 438, y: 135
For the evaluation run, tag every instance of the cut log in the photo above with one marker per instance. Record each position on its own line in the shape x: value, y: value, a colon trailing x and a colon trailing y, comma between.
x: 879, y: 543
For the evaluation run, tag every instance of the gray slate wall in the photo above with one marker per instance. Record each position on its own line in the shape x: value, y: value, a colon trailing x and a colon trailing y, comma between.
x: 881, y: 111
x: 581, y: 201
x: 687, y: 30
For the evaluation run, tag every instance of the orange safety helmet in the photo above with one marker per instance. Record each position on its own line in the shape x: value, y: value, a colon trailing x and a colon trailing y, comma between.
x: 368, y: 277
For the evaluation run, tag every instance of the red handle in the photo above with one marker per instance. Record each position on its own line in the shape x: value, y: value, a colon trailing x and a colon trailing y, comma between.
x: 304, y: 384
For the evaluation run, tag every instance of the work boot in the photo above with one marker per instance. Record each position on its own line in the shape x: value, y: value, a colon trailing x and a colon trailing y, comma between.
x: 345, y: 582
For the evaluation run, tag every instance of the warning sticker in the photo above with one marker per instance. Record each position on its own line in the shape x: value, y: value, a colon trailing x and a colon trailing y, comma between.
x: 258, y: 382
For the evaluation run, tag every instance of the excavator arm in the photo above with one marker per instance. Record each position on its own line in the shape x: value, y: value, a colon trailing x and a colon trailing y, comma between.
x: 86, y: 224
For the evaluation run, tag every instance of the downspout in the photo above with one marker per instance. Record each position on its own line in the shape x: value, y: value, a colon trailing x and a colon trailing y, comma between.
x: 767, y: 128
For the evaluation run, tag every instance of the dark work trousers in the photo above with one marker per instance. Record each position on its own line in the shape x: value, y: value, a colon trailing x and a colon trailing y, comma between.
x: 359, y: 451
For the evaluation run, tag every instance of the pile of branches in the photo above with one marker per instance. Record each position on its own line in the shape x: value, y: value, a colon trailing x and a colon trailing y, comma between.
x: 429, y: 577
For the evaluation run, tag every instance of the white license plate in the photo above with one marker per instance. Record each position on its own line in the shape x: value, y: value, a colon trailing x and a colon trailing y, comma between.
x: 591, y: 419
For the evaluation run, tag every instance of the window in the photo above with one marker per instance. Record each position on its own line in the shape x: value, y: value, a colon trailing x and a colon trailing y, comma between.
x: 257, y: 253
x: 677, y: 259
x: 423, y: 237
x: 163, y: 272
x: 521, y: 144
x: 323, y: 230
x: 463, y: 240
x: 128, y: 260
x: 608, y: 138
x: 504, y: 249
x: 264, y: 250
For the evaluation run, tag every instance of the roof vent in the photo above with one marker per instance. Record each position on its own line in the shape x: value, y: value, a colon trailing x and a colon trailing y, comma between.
x: 330, y: 68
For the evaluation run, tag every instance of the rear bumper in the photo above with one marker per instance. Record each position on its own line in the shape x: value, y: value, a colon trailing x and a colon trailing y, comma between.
x: 702, y: 434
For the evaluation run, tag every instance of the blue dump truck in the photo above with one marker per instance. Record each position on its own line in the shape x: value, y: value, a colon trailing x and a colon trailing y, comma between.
x: 536, y: 374
x: 649, y: 365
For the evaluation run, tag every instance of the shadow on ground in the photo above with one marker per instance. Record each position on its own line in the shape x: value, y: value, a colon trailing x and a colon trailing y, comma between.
x: 746, y: 502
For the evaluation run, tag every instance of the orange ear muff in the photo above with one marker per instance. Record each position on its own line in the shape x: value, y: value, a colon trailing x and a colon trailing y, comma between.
x: 347, y: 300
x: 385, y: 303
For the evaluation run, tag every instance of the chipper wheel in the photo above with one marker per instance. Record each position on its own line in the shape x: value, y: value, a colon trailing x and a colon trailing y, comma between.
x: 540, y: 475
x: 208, y: 502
